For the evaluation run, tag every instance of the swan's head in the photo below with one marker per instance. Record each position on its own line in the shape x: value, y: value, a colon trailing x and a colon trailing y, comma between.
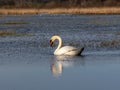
x: 51, y: 42
x: 53, y: 38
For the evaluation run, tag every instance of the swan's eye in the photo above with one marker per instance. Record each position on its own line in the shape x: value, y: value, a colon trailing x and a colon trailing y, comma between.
x: 51, y: 43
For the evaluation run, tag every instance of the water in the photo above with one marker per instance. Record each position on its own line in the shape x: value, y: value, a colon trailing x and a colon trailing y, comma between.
x: 27, y: 61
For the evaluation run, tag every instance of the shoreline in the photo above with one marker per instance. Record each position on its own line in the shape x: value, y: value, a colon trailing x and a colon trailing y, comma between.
x: 93, y: 10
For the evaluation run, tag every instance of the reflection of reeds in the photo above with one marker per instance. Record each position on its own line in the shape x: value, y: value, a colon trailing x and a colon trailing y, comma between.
x: 94, y: 10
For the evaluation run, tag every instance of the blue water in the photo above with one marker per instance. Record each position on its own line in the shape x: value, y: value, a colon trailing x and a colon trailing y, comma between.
x: 27, y: 61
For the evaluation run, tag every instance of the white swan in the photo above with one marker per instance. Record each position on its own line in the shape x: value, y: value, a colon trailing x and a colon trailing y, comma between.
x: 66, y: 50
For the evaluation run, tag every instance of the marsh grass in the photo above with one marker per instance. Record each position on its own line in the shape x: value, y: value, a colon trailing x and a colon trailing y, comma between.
x: 91, y: 10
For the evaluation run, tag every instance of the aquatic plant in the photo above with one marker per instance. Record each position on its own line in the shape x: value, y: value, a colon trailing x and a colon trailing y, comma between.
x: 7, y: 33
x: 109, y: 43
x: 12, y: 33
x: 14, y: 23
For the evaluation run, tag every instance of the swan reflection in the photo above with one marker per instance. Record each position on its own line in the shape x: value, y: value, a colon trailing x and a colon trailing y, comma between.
x: 60, y: 62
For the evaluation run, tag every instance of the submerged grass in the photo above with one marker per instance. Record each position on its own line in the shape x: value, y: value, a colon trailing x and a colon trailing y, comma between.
x: 98, y: 44
x: 14, y: 23
x: 109, y: 43
x: 7, y: 33
x: 12, y: 33
x: 91, y: 10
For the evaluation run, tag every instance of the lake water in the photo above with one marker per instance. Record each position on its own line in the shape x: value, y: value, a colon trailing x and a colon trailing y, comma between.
x: 27, y: 61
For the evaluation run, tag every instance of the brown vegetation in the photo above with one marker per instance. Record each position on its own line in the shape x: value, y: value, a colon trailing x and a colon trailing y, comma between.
x: 100, y: 10
x: 7, y: 33
x: 109, y: 43
x: 57, y: 3
x: 13, y: 23
x: 60, y: 6
x: 12, y: 33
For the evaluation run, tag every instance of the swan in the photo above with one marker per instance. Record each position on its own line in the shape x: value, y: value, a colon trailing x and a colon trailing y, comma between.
x: 65, y: 50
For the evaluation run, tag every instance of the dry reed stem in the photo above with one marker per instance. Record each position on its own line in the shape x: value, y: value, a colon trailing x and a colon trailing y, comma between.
x: 102, y: 10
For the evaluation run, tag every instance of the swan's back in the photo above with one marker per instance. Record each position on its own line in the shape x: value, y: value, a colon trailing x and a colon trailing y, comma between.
x: 68, y: 50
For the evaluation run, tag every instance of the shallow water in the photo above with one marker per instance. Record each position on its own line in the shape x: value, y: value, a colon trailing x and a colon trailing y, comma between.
x: 27, y: 61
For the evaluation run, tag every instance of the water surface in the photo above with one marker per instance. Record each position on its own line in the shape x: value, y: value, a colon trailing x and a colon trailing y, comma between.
x: 27, y: 61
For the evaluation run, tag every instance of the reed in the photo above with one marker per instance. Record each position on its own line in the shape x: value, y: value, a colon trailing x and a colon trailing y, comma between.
x: 93, y: 10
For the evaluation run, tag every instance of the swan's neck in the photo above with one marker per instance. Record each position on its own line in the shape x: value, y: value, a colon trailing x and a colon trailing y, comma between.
x: 60, y: 43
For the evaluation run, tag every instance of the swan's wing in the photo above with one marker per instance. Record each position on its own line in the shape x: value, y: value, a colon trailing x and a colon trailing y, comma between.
x: 68, y: 50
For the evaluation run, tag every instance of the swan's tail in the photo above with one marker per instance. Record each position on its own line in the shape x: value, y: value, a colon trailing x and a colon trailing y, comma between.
x: 81, y: 50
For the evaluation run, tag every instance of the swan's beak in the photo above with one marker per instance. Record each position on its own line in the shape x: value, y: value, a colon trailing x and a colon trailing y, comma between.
x: 51, y: 43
